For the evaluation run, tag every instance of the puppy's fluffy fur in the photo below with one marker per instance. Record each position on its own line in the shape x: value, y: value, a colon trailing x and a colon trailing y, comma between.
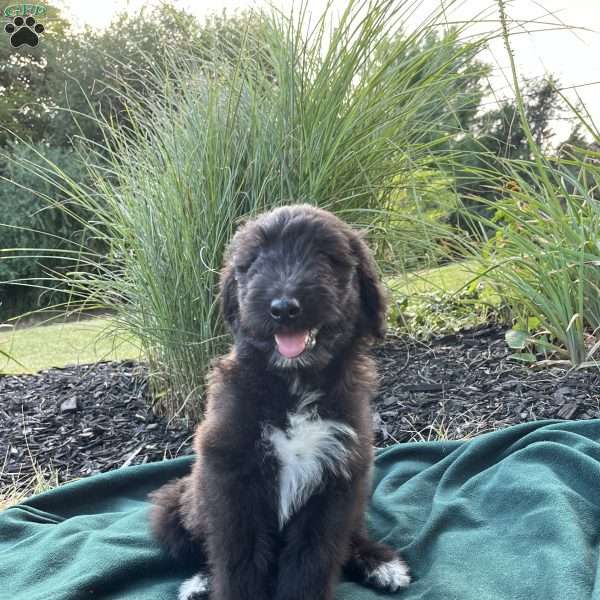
x: 274, y: 506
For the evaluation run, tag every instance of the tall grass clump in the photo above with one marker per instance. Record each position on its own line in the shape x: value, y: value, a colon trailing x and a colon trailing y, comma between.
x: 541, y: 249
x: 543, y: 258
x: 335, y: 112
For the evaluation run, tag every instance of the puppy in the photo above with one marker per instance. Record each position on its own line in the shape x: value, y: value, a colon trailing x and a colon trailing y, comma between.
x: 274, y: 506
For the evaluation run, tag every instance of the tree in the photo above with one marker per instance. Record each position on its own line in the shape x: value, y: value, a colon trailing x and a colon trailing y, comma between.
x: 496, y: 135
x: 26, y: 88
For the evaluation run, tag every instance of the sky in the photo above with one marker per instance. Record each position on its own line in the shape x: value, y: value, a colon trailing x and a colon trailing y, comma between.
x: 574, y: 55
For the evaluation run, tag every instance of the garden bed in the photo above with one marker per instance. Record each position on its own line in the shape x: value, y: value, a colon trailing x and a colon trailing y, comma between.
x: 76, y: 421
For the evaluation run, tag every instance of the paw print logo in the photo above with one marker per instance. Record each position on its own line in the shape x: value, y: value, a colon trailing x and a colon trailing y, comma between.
x: 24, y: 31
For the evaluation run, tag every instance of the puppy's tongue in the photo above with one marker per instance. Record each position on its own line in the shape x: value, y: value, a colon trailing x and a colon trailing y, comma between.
x: 291, y: 345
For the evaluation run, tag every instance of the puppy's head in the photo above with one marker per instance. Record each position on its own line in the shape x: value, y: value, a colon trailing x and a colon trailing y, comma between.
x: 300, y: 285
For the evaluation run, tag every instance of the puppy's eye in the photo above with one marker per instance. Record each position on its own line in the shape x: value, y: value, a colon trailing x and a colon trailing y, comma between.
x: 244, y: 266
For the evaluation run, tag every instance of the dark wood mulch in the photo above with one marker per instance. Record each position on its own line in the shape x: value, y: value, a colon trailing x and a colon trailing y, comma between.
x: 82, y: 420
x: 93, y: 418
x: 461, y: 385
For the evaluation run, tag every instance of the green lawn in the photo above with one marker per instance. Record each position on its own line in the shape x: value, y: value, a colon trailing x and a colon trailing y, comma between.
x: 41, y: 347
x: 449, y: 278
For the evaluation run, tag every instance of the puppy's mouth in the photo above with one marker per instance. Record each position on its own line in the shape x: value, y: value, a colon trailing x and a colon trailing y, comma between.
x: 292, y: 344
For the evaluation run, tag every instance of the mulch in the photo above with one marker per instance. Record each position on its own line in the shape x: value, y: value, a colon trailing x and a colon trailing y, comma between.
x: 93, y: 418
x: 81, y: 420
x: 461, y: 385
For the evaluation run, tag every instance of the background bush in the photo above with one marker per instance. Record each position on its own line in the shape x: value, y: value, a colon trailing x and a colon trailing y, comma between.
x: 35, y: 227
x: 235, y: 130
x: 543, y: 257
x: 49, y: 98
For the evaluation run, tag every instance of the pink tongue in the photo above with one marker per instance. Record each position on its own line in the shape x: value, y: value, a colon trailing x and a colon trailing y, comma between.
x: 291, y: 345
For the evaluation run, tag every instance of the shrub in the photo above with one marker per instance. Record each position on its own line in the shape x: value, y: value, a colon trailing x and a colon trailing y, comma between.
x: 416, y: 224
x: 289, y: 116
x: 33, y: 230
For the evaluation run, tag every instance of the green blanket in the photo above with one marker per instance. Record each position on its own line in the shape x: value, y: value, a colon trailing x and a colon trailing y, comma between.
x: 512, y: 514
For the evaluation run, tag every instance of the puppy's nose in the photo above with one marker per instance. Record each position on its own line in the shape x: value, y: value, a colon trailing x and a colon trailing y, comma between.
x: 285, y: 309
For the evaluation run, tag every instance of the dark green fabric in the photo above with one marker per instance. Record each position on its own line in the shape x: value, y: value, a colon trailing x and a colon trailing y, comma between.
x: 513, y: 514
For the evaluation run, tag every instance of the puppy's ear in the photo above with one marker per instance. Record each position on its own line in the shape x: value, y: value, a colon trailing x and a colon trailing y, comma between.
x: 373, y: 297
x: 228, y: 296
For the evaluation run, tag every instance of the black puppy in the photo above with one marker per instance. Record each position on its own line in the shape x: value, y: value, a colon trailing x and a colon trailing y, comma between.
x: 276, y: 499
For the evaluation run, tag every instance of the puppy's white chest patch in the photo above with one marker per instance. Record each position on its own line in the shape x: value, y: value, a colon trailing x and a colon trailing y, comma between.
x: 308, y: 449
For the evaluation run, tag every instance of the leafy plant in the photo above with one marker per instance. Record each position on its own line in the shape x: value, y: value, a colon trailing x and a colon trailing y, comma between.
x: 529, y: 342
x: 433, y: 313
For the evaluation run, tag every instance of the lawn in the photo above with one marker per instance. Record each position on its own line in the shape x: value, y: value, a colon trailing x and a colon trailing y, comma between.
x: 448, y: 278
x: 41, y: 347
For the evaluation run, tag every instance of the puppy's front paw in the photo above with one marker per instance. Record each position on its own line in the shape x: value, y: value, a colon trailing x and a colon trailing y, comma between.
x: 194, y: 588
x: 389, y: 576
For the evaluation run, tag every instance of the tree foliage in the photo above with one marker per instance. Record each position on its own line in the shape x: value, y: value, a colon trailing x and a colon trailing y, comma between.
x: 496, y: 136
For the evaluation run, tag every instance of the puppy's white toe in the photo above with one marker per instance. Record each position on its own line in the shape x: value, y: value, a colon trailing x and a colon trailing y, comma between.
x: 198, y: 584
x: 391, y: 575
